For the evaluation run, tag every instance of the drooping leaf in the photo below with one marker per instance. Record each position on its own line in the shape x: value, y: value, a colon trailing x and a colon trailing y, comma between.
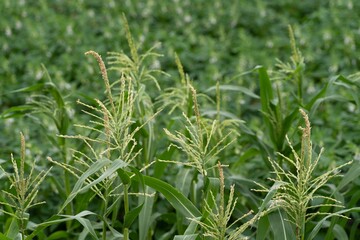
x: 351, y: 175
x: 64, y: 218
x: 318, y: 226
x: 82, y: 185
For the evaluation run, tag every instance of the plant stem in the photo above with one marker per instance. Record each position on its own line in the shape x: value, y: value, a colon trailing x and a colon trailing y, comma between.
x: 218, y: 101
x: 106, y: 196
x: 69, y: 207
x: 22, y: 225
x: 126, y: 210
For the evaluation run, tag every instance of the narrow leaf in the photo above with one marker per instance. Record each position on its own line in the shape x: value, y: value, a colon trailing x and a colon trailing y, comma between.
x: 64, y: 218
x: 13, y: 230
x: 351, y: 175
x: 3, y: 237
x: 281, y: 228
x: 191, y: 229
x: 270, y: 195
x: 318, y: 226
x: 266, y: 92
x: 236, y: 88
x: 339, y: 232
x: 132, y: 215
x: 145, y: 214
x: 212, y: 186
x: 262, y: 230
x: 125, y: 179
x: 186, y: 237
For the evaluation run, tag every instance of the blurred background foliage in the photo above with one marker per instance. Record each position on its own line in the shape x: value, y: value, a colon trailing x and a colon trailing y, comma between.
x: 214, y: 40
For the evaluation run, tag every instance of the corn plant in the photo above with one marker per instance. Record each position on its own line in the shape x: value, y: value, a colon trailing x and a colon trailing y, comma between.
x: 277, y: 120
x: 112, y: 148
x: 299, y: 190
x: 217, y: 225
x: 113, y: 139
x: 202, y: 140
x: 179, y: 96
x: 23, y: 191
x: 201, y: 155
x: 47, y: 102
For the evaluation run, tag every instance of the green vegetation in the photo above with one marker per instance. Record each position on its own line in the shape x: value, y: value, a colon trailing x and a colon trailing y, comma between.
x: 229, y: 120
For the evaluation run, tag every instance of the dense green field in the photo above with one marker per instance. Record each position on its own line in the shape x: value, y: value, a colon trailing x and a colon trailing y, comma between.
x: 180, y: 119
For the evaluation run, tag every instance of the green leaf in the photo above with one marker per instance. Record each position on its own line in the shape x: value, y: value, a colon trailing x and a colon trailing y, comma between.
x: 354, y: 92
x: 47, y: 86
x: 320, y: 94
x: 318, y: 226
x: 354, y: 228
x: 64, y: 218
x: 146, y: 202
x: 270, y: 118
x: 132, y: 215
x: 13, y: 231
x: 212, y: 186
x: 191, y: 229
x: 339, y: 232
x: 246, y: 155
x: 270, y: 195
x: 168, y: 235
x: 183, y: 180
x: 262, y: 230
x: 351, y: 175
x: 3, y: 237
x: 183, y: 184
x: 139, y: 177
x: 58, y: 235
x: 125, y: 179
x: 146, y: 213
x: 186, y: 237
x: 115, y: 234
x: 190, y: 232
x: 159, y: 167
x: 236, y: 88
x: 348, y: 81
x: 229, y: 115
x: 280, y: 227
x: 17, y: 111
x: 33, y: 88
x: 266, y: 91
x: 288, y: 121
x: 94, y: 168
x: 318, y: 101
x: 277, y: 225
x: 175, y: 198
